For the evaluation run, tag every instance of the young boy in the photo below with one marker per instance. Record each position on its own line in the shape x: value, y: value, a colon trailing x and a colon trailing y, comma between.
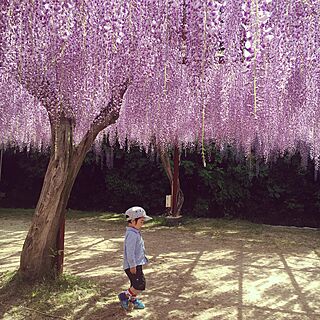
x: 134, y: 258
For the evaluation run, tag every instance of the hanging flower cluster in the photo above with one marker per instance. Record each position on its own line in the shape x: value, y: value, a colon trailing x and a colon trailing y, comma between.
x: 241, y: 72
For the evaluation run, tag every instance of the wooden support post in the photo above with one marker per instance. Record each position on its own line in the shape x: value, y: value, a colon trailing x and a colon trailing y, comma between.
x: 60, y: 245
x: 175, y: 181
x: 1, y: 156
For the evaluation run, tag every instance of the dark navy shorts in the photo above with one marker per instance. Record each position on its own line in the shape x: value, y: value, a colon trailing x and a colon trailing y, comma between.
x: 137, y: 280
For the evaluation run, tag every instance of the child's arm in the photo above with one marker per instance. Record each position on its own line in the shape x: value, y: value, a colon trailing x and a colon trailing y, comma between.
x: 133, y: 270
x: 130, y: 246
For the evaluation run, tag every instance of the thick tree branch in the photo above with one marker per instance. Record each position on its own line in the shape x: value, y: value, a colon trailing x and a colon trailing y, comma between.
x: 107, y: 116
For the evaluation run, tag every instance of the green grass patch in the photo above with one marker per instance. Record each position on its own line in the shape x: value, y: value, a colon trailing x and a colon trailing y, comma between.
x: 217, y: 228
x: 64, y: 297
x: 93, y: 215
x: 86, y: 216
x: 6, y: 278
x: 15, y: 212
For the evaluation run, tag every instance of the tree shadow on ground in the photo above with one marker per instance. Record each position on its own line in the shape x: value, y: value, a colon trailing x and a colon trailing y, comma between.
x: 12, y: 295
x: 204, y: 275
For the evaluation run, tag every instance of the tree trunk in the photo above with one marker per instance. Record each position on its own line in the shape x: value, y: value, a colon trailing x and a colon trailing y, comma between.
x: 39, y: 255
x: 168, y: 169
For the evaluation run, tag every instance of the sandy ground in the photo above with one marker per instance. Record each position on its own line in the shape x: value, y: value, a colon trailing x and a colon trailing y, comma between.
x: 192, y: 274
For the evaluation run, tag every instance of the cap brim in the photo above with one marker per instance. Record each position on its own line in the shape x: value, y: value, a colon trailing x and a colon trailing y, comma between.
x: 147, y: 218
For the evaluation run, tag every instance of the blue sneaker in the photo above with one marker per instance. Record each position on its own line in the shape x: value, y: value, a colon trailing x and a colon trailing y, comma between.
x: 138, y: 304
x: 124, y: 301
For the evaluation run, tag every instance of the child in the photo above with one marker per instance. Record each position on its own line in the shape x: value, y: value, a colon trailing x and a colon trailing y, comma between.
x: 134, y: 258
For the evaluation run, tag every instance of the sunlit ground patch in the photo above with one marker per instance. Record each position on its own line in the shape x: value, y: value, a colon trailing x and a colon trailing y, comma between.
x: 207, y: 270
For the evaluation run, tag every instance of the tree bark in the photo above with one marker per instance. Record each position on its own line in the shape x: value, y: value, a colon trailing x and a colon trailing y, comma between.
x: 39, y: 252
x: 168, y: 169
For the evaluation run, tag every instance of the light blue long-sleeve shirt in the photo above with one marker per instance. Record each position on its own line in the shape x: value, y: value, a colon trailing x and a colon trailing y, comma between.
x: 134, y: 250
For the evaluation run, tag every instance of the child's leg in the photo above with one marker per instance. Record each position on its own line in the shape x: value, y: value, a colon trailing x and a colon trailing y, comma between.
x: 132, y: 293
x: 137, y: 285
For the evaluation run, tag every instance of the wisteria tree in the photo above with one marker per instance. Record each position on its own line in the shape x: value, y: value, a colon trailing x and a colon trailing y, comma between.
x: 160, y: 73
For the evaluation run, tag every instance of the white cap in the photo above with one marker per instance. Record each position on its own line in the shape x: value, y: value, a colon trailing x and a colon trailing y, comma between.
x: 136, y: 212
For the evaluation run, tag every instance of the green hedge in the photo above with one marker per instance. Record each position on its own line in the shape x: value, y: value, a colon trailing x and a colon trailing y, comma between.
x: 282, y: 192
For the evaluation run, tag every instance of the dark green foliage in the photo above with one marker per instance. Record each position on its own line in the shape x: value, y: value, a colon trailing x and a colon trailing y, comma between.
x: 222, y: 186
x: 22, y: 176
x: 287, y: 193
x: 89, y: 190
x: 280, y: 192
x: 136, y: 179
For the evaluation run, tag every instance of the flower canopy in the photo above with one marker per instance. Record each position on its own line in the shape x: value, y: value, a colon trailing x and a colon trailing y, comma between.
x: 242, y: 72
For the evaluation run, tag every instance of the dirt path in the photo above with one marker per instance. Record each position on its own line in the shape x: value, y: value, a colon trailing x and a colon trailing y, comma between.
x: 192, y: 274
